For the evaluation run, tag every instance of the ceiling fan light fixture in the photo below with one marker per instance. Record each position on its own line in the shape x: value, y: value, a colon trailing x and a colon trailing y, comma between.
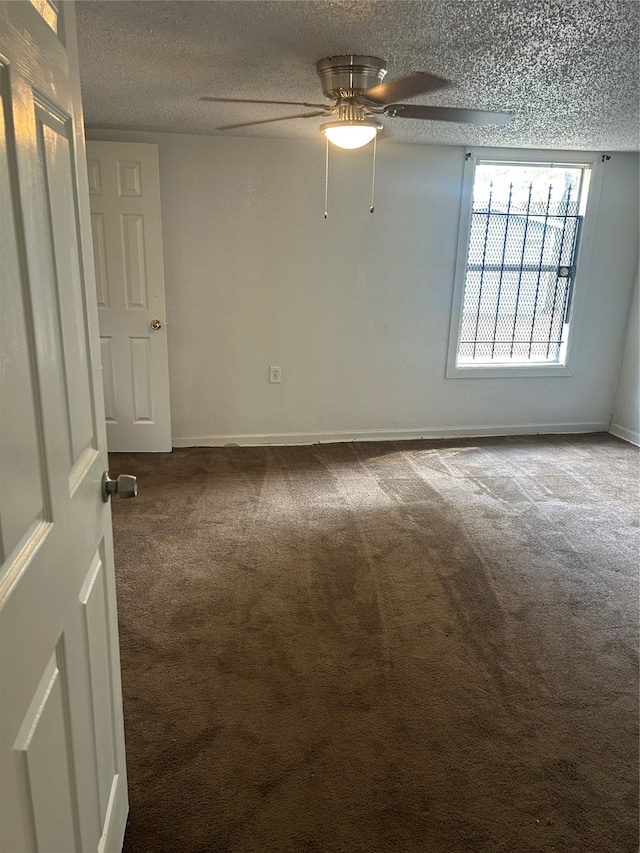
x: 351, y: 134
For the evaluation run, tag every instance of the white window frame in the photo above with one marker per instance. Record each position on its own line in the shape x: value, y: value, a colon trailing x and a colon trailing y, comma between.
x: 583, y: 266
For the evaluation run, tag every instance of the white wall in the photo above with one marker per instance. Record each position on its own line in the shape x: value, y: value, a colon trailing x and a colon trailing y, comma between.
x: 626, y: 409
x: 355, y: 308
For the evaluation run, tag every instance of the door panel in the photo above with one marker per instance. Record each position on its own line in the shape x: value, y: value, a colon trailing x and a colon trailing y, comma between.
x: 62, y: 213
x: 108, y: 380
x: 42, y: 748
x: 133, y: 253
x: 129, y: 178
x: 100, y: 257
x: 127, y: 238
x: 62, y: 768
x: 94, y: 599
x: 21, y: 510
x: 141, y: 380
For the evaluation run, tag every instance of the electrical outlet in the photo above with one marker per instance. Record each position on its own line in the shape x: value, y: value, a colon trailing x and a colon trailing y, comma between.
x: 275, y: 374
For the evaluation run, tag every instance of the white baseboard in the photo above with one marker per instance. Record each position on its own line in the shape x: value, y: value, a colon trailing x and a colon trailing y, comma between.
x: 630, y: 435
x: 385, y: 434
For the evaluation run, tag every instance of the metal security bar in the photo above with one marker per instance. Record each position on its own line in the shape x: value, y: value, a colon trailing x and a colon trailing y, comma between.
x: 520, y: 270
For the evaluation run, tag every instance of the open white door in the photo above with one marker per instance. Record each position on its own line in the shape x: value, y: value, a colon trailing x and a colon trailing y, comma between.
x: 124, y: 189
x: 62, y: 764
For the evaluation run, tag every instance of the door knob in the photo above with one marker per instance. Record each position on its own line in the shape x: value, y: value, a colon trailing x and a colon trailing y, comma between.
x: 126, y: 486
x: 156, y: 324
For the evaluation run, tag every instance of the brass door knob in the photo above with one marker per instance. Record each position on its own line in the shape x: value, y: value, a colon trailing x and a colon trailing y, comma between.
x: 156, y: 324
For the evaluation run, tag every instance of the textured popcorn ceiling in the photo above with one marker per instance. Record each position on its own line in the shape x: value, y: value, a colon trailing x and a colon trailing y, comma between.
x: 568, y: 69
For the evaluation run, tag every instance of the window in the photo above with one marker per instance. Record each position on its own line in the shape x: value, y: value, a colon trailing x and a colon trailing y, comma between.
x: 520, y: 234
x: 49, y: 11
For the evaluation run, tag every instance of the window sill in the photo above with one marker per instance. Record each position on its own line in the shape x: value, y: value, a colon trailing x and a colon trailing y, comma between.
x: 505, y: 371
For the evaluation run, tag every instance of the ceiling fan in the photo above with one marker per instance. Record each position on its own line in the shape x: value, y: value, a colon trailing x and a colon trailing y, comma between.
x: 355, y: 85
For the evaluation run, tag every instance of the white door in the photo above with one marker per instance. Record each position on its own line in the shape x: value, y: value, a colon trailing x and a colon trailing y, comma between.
x: 62, y: 764
x: 124, y: 189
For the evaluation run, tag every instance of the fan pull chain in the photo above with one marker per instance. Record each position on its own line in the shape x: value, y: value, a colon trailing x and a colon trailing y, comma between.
x: 326, y: 182
x: 372, y: 209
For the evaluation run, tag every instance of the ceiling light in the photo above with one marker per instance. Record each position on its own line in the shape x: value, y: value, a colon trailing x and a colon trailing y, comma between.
x: 351, y: 134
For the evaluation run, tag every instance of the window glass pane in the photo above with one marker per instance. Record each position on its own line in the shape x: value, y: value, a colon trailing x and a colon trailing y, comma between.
x: 524, y: 229
x: 49, y: 11
x: 497, y: 178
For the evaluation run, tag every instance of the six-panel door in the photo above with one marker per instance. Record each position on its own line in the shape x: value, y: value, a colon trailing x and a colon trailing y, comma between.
x: 62, y: 767
x: 124, y: 190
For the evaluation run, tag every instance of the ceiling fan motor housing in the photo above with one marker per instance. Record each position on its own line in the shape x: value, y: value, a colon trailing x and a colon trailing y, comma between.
x: 346, y: 76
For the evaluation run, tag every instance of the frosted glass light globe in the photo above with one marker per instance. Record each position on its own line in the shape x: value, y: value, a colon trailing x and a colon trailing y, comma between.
x: 350, y: 134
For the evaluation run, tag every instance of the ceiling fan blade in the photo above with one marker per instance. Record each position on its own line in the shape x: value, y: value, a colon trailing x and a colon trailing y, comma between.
x: 447, y: 114
x: 404, y: 87
x: 267, y: 120
x: 249, y: 101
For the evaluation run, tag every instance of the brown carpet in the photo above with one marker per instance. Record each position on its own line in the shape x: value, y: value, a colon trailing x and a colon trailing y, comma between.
x: 402, y: 647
